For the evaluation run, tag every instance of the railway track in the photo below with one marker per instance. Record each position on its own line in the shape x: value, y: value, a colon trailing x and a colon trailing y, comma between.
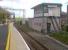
x: 32, y: 42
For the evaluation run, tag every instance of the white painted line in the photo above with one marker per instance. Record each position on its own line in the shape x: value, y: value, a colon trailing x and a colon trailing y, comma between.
x: 22, y: 39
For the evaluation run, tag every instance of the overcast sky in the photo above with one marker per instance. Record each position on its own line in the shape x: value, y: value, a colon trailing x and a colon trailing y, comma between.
x: 28, y: 4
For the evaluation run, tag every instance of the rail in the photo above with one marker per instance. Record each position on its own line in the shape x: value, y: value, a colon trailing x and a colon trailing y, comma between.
x: 20, y: 29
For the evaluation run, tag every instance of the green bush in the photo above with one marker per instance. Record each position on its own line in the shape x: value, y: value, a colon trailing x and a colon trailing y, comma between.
x: 66, y: 28
x: 62, y: 27
x: 61, y: 36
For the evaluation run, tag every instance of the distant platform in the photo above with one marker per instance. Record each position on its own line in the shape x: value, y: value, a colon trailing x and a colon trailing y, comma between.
x: 17, y: 41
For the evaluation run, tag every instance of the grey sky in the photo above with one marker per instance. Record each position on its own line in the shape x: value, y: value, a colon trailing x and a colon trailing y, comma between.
x: 27, y: 4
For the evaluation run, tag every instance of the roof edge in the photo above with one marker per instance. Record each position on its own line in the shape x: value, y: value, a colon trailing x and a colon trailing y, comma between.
x: 47, y: 4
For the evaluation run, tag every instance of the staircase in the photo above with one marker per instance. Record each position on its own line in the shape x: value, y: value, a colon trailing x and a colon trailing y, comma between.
x: 53, y: 23
x: 56, y: 23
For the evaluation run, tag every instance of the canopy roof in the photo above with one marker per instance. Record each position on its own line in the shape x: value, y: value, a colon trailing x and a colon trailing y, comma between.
x: 4, y: 11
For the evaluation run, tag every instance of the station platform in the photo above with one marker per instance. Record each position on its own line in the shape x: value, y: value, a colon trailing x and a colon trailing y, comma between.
x: 3, y: 36
x: 17, y: 42
x: 11, y: 39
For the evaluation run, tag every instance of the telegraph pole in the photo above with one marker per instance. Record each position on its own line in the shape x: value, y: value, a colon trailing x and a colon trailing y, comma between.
x: 23, y: 21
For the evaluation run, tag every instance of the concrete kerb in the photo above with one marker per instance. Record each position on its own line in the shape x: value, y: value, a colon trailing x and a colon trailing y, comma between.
x: 57, y: 41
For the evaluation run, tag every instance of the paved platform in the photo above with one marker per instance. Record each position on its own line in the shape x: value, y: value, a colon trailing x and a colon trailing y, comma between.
x: 17, y: 42
x: 3, y: 36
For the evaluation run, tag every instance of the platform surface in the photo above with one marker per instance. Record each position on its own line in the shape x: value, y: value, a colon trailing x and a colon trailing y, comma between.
x: 17, y: 42
x: 3, y: 36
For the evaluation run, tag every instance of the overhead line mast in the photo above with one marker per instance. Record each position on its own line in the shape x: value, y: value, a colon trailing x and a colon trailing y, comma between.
x: 23, y: 10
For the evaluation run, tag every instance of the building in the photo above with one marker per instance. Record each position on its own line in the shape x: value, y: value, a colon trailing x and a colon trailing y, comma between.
x: 4, y: 15
x: 46, y: 17
x: 67, y: 13
x: 63, y: 18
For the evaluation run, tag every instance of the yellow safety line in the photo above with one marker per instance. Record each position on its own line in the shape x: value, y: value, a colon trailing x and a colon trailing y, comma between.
x: 8, y: 38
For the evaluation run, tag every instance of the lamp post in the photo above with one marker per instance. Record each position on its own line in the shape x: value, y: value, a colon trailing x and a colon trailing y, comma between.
x: 67, y: 14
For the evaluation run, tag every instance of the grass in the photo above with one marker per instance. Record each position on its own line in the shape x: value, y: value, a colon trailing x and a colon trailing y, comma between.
x: 61, y: 36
